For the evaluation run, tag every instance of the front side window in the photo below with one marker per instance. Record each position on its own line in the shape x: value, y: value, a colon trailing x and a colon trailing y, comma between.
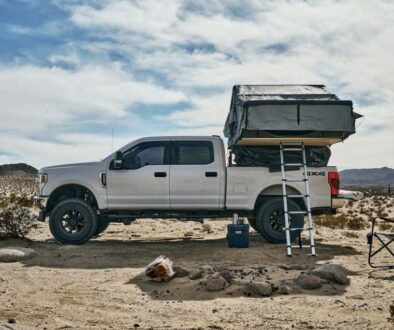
x: 193, y: 152
x: 144, y: 154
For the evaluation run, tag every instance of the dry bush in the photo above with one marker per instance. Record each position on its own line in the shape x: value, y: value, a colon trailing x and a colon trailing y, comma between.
x: 16, y: 220
x: 341, y: 221
x: 363, y: 211
x: 206, y: 227
x: 356, y: 223
x: 385, y: 226
x: 391, y: 310
x: 350, y: 234
x: 20, y: 200
x: 331, y: 221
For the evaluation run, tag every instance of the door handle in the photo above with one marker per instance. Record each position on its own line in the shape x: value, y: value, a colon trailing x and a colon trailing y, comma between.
x: 160, y: 174
x: 211, y: 174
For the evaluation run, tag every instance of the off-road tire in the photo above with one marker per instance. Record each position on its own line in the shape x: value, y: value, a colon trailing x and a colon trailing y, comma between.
x: 75, y: 206
x: 252, y: 223
x: 268, y: 210
x: 102, y: 225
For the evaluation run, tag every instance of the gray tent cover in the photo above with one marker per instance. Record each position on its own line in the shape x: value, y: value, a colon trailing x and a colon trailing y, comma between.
x: 274, y: 111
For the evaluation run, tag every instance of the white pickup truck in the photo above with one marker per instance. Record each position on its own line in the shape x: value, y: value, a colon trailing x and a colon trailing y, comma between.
x: 174, y: 177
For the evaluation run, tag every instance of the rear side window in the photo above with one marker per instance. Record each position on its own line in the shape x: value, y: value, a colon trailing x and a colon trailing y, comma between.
x: 193, y: 152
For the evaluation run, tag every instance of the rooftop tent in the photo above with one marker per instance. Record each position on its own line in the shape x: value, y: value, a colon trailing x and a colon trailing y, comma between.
x: 271, y: 114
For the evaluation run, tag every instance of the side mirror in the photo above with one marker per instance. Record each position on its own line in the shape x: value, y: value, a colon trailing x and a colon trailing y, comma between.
x: 118, y: 161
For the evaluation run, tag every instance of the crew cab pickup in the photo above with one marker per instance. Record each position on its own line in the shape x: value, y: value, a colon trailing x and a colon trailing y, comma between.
x: 174, y: 177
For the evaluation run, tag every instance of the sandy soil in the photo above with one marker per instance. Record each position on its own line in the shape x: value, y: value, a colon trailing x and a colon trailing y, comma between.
x: 102, y: 284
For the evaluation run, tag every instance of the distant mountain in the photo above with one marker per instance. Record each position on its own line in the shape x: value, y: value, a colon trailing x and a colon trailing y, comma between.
x: 368, y: 176
x: 21, y: 167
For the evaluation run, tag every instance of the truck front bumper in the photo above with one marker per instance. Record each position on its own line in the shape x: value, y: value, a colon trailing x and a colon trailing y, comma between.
x: 41, y: 203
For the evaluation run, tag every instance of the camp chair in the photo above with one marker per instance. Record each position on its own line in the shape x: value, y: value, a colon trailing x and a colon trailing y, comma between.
x: 385, y: 240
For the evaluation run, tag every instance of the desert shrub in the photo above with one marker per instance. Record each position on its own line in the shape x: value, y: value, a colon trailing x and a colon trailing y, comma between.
x: 350, y: 203
x: 363, y: 211
x: 385, y: 226
x: 350, y: 234
x: 356, y: 223
x: 20, y: 200
x: 206, y: 227
x: 341, y: 221
x: 331, y: 221
x: 16, y: 221
x: 391, y: 310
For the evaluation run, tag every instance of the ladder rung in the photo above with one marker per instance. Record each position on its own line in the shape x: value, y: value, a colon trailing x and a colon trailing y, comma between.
x: 298, y: 229
x: 293, y: 164
x: 295, y: 180
x: 297, y: 212
x: 292, y: 149
x: 297, y: 196
x: 303, y: 246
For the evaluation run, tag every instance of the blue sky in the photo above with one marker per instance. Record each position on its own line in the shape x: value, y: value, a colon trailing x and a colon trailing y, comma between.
x: 71, y: 71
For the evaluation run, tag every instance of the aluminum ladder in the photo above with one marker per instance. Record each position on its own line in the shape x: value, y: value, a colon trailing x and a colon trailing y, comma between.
x: 306, y: 196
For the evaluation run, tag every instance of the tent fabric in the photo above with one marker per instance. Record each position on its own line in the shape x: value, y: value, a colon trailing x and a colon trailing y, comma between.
x: 264, y: 111
x: 269, y: 156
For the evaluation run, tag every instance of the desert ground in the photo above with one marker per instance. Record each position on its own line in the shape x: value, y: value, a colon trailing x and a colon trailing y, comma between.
x: 102, y: 284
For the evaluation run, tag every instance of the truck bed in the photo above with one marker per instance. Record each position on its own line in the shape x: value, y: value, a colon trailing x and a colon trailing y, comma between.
x: 245, y: 183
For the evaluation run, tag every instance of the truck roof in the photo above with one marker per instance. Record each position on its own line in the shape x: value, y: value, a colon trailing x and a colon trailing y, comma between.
x: 179, y: 137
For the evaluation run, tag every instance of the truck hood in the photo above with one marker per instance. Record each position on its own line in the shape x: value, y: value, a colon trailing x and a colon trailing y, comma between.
x: 69, y: 166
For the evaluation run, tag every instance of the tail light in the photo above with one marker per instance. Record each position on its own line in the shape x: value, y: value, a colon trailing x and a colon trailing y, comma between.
x: 334, y: 181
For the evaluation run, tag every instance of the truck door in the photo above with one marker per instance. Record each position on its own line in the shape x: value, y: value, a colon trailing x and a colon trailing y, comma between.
x: 143, y: 183
x: 195, y: 176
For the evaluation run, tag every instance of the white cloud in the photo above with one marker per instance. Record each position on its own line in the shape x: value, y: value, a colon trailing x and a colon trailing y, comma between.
x: 201, y: 49
x: 37, y: 99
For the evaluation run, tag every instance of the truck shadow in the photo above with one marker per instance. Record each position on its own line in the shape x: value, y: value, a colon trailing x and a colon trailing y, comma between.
x: 136, y: 253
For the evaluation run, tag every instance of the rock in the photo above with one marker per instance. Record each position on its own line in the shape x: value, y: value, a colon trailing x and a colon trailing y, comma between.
x: 262, y: 288
x: 284, y: 289
x: 334, y: 273
x: 207, y: 269
x: 15, y: 254
x: 289, y: 287
x: 216, y: 282
x: 180, y: 271
x: 308, y: 282
x: 241, y: 281
x: 160, y: 269
x: 196, y: 274
x: 227, y: 275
